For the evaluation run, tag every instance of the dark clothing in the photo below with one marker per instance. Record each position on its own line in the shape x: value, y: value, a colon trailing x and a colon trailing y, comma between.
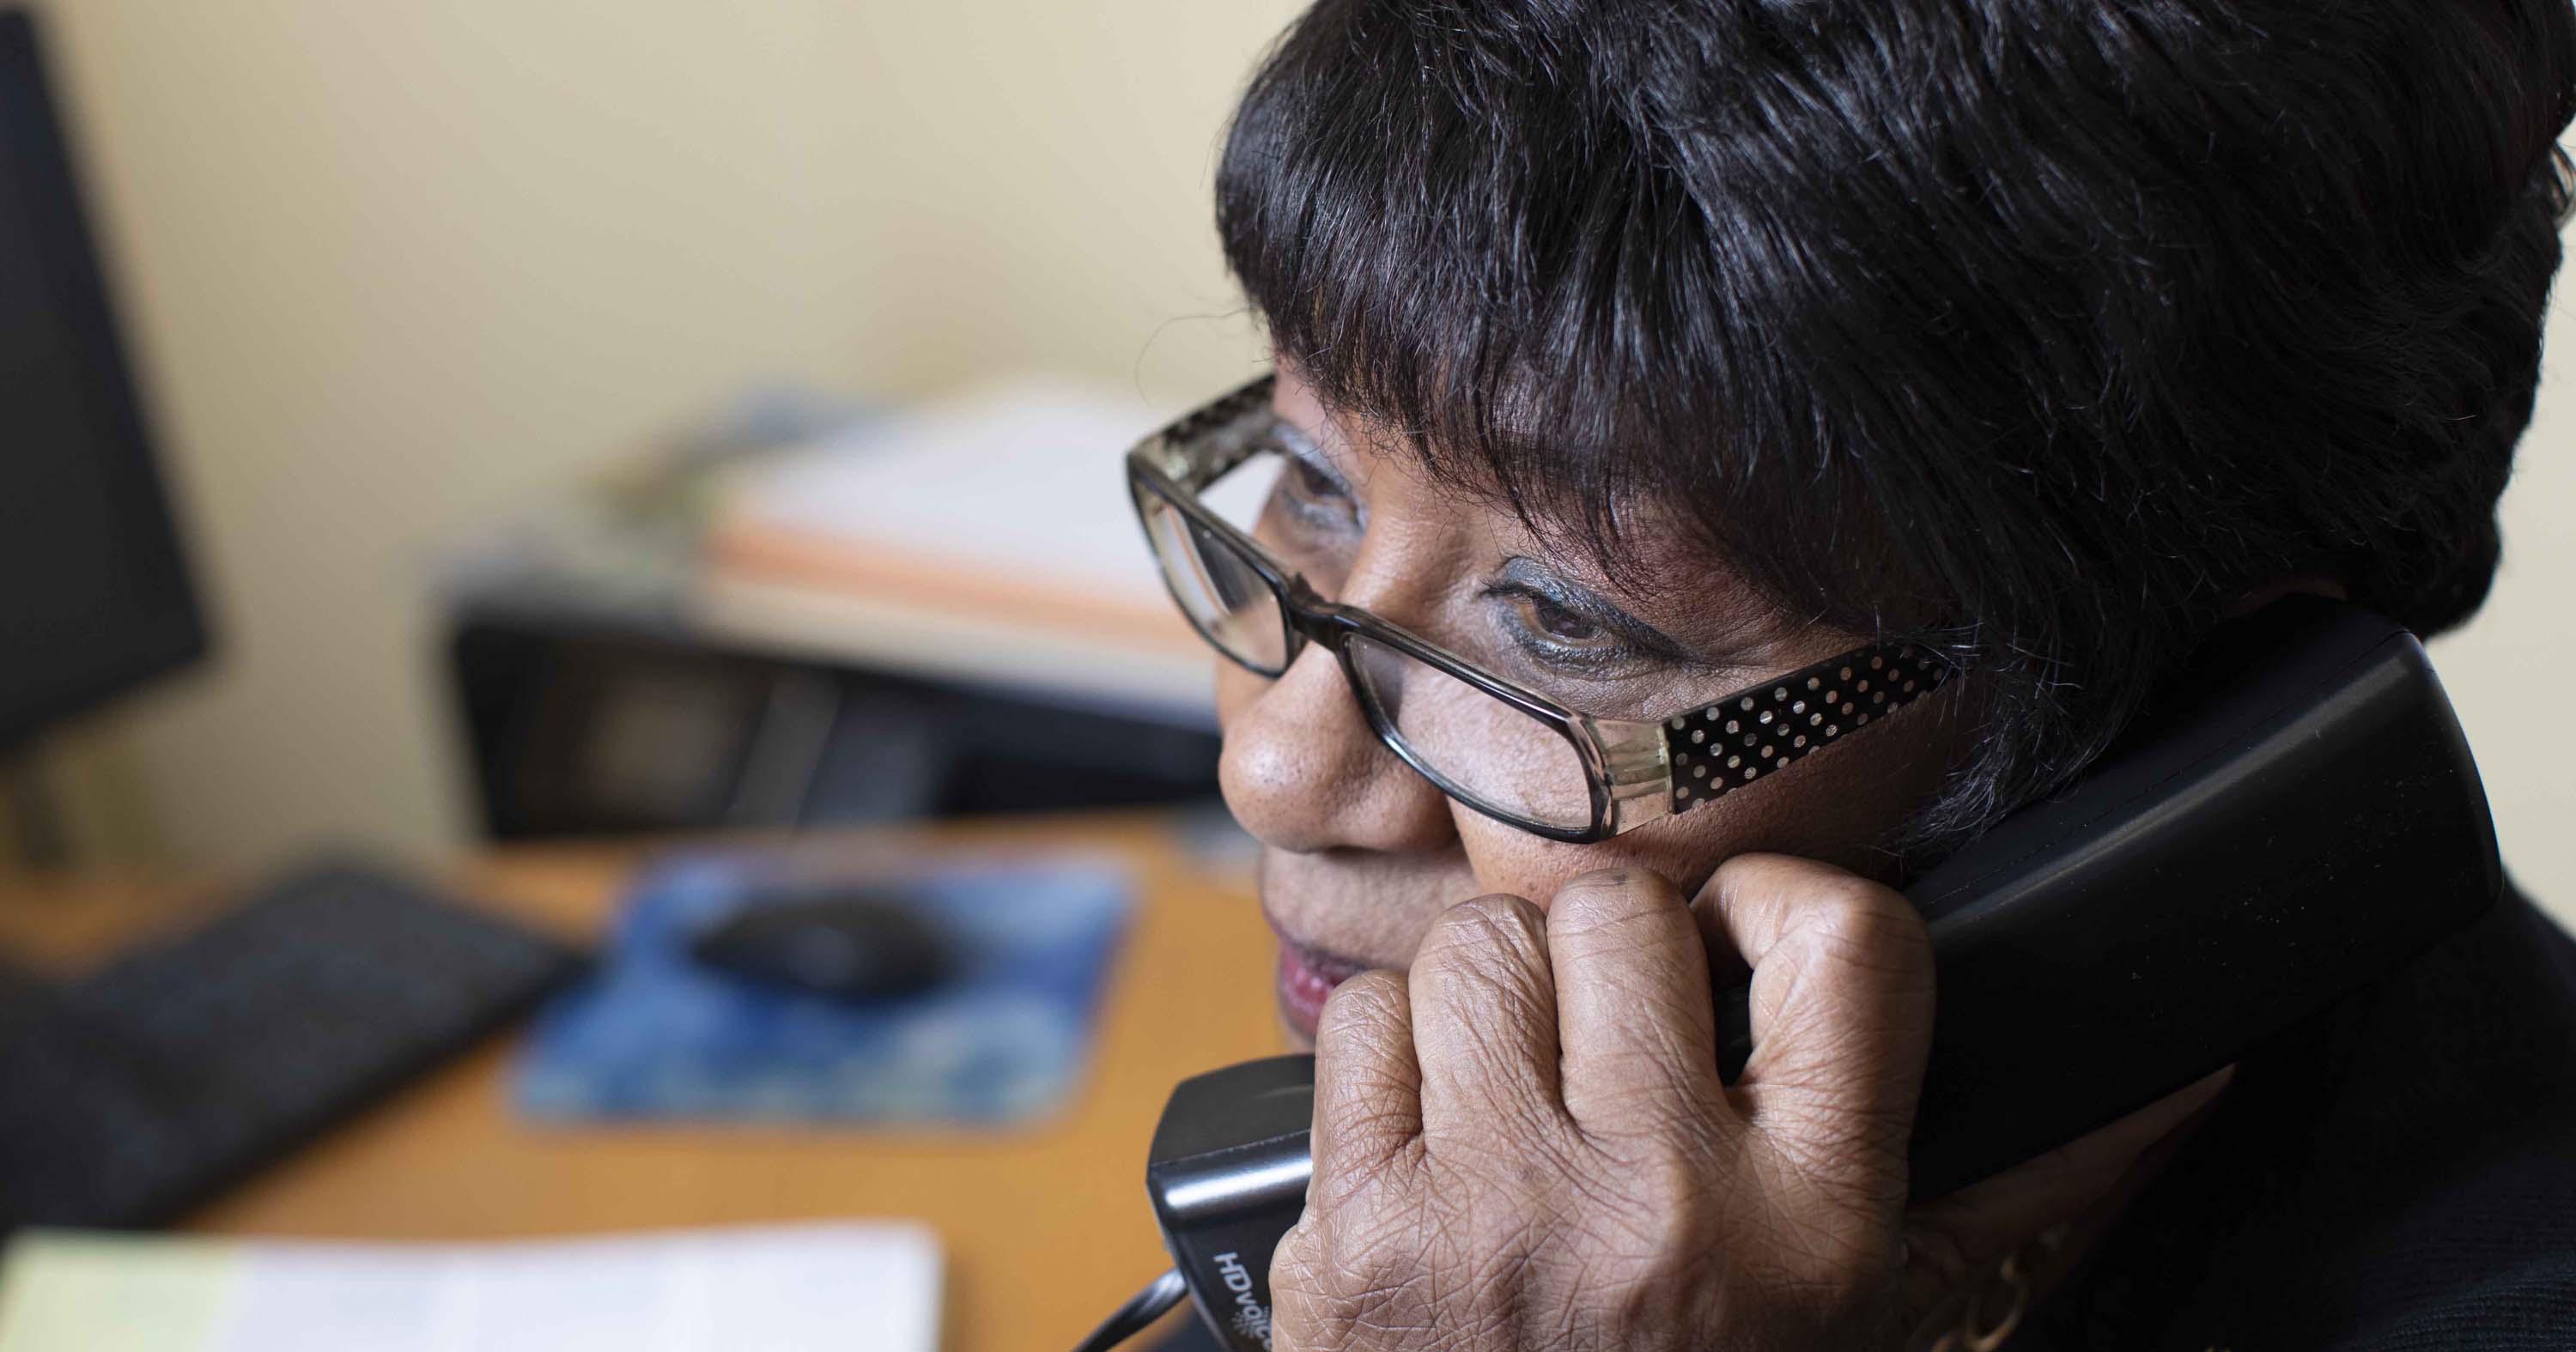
x: 2398, y: 1174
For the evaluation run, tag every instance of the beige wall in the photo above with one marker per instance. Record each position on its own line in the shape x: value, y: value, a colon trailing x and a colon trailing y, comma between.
x: 2504, y: 669
x: 394, y: 264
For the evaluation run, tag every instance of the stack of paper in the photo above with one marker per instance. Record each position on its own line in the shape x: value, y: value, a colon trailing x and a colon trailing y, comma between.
x: 1016, y: 485
x: 986, y: 536
x: 790, y: 1287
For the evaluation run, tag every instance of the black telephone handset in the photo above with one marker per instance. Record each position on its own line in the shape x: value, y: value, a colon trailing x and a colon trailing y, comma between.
x: 2297, y: 815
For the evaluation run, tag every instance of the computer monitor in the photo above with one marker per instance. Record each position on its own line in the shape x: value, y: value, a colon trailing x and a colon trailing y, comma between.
x: 94, y: 595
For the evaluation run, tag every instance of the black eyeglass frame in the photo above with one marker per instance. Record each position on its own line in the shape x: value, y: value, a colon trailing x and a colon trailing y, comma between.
x: 1638, y: 771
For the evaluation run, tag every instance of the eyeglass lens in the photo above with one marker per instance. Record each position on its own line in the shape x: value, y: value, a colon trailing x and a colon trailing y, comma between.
x: 1220, y: 591
x: 1475, y: 746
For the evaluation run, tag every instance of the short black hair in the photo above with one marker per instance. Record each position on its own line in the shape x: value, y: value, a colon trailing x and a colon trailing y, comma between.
x: 2037, y: 330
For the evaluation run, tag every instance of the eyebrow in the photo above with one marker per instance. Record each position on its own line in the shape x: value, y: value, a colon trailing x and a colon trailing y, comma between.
x: 1328, y: 448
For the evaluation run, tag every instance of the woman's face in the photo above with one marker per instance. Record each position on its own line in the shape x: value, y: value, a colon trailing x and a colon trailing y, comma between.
x: 1360, y: 852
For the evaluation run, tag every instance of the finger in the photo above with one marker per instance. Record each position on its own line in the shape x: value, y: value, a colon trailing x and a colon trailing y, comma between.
x: 1727, y: 968
x: 1947, y: 1239
x: 1368, y: 1088
x: 1841, y: 1006
x: 1636, y: 1025
x: 1484, y: 1019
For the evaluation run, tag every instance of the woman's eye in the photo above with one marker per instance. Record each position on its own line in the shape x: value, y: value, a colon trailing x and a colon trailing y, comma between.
x: 1587, y: 655
x: 1559, y: 625
x: 1309, y: 502
x: 1310, y: 483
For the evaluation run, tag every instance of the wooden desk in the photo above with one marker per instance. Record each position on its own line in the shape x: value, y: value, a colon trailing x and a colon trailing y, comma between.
x: 1046, y: 1229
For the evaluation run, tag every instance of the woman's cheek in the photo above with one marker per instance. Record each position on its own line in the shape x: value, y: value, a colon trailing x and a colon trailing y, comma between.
x: 1802, y: 816
x: 1508, y: 860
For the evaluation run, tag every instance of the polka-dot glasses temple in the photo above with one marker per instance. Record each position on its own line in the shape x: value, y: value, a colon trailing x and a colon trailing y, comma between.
x: 1752, y: 733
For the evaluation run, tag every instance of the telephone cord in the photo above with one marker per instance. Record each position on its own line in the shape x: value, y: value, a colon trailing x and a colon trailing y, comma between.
x: 1141, y: 1309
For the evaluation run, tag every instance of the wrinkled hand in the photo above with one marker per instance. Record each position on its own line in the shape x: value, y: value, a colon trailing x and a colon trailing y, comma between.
x: 1525, y: 1143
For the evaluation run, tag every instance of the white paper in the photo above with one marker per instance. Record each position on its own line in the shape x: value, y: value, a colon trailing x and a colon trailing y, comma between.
x: 860, y: 1285
x: 1022, y: 479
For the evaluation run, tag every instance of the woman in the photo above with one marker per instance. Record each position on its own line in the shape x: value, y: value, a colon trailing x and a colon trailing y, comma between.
x: 1641, y: 353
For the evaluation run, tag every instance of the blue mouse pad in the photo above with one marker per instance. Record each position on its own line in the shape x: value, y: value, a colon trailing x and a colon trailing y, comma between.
x: 654, y: 1034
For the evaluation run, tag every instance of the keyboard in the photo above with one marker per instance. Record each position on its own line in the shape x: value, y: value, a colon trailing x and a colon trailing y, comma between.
x: 137, y: 1091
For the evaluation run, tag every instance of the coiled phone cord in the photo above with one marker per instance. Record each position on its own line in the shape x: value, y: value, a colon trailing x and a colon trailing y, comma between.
x: 1141, y: 1309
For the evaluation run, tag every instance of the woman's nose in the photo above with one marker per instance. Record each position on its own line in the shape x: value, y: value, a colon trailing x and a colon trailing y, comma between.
x: 1303, y: 771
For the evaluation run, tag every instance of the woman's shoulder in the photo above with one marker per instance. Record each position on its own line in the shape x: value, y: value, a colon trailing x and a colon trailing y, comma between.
x: 2401, y: 1174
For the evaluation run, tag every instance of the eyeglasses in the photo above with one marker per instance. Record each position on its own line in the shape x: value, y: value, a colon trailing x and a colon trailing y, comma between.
x: 1506, y: 751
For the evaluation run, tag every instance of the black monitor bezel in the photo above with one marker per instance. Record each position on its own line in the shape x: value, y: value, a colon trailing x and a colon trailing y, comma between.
x: 174, y: 634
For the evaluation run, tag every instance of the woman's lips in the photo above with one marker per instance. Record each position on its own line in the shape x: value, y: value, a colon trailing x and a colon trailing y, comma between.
x: 1306, y: 977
